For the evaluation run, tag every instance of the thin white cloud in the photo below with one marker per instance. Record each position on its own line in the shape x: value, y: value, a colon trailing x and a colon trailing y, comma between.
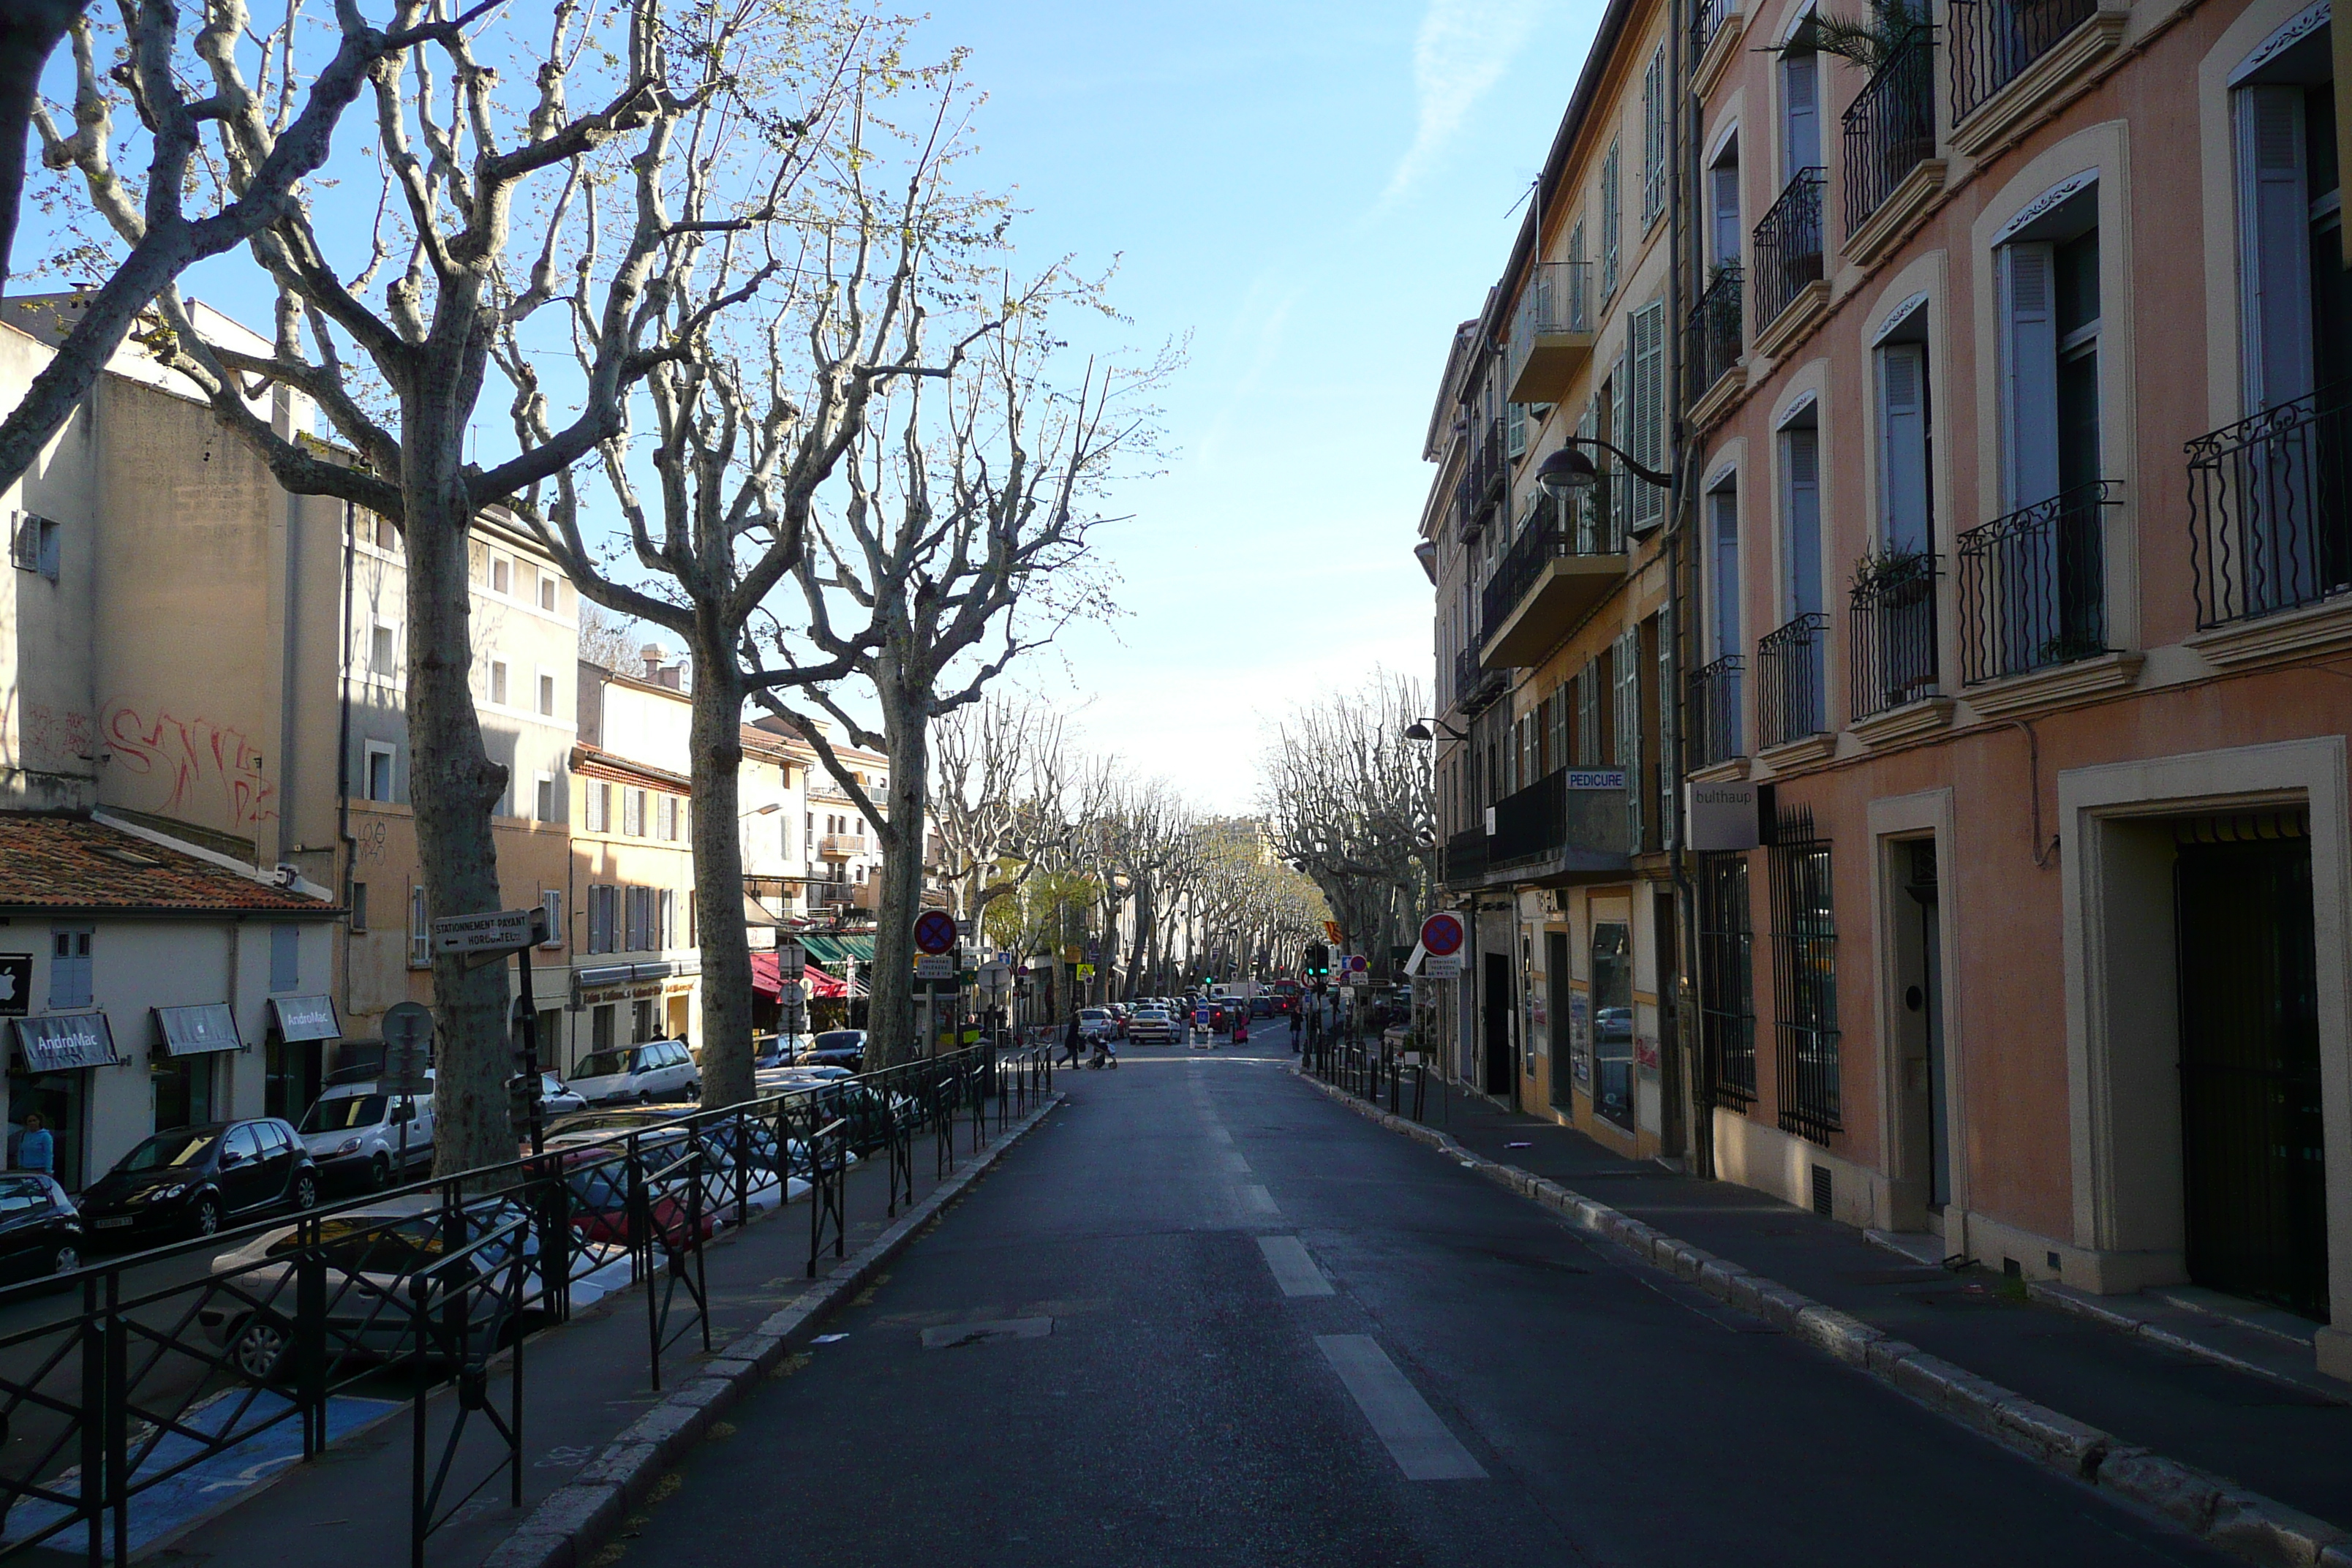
x: 1462, y: 48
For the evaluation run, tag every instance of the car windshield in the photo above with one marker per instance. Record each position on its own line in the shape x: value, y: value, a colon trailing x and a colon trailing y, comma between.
x: 344, y: 1112
x: 603, y: 1063
x: 165, y: 1151
x: 839, y: 1040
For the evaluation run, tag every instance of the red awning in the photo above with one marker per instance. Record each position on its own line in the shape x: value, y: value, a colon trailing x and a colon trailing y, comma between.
x: 764, y: 978
x: 820, y: 983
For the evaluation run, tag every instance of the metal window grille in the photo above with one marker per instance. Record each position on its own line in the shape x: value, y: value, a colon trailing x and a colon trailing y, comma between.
x: 2270, y: 504
x: 1893, y: 626
x: 1993, y: 42
x: 1726, y: 979
x: 1804, y: 983
x: 1787, y: 245
x: 1789, y: 695
x: 2033, y: 586
x: 1890, y: 128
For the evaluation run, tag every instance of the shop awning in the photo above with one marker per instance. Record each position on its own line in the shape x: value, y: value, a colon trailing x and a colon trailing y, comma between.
x: 56, y: 1045
x: 830, y: 948
x: 820, y: 983
x: 756, y: 913
x: 306, y: 1018
x: 765, y: 980
x: 191, y: 1031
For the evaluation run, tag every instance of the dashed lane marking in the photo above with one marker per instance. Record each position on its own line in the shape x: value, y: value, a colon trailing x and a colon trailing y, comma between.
x: 1294, y: 1269
x: 1411, y: 1431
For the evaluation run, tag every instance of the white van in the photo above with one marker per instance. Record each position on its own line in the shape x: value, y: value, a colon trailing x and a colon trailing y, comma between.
x: 353, y: 1131
x: 659, y: 1069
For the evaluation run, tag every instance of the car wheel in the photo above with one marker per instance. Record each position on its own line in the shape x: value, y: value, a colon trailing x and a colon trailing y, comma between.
x: 261, y: 1348
x: 66, y: 1260
x: 207, y: 1215
x: 645, y: 1097
x: 380, y: 1172
x: 306, y: 1190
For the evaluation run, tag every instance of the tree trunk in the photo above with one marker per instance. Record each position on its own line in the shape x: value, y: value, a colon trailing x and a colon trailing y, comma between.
x: 716, y: 746
x: 890, y: 1017
x: 452, y: 785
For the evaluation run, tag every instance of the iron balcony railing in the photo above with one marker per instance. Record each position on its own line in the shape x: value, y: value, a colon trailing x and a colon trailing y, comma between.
x: 1706, y: 16
x: 1890, y: 128
x: 1566, y: 810
x: 1892, y: 625
x: 2270, y: 505
x: 1547, y: 536
x: 1557, y: 299
x: 1714, y: 331
x: 2033, y: 585
x: 1475, y: 686
x: 1715, y: 710
x: 1481, y: 484
x: 1789, y: 690
x: 1465, y: 857
x: 1993, y: 42
x: 1788, y: 245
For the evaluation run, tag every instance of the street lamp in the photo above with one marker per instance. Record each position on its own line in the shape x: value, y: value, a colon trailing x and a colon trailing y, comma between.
x: 1419, y: 729
x: 1570, y: 470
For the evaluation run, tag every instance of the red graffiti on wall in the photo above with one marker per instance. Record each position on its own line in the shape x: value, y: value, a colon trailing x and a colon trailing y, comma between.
x: 58, y: 740
x: 197, y: 769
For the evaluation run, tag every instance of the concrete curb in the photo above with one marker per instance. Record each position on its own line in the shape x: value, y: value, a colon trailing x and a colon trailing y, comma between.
x: 2215, y: 1510
x: 565, y: 1530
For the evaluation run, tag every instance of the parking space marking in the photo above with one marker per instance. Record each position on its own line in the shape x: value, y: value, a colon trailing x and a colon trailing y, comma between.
x: 1294, y: 1269
x: 1411, y: 1431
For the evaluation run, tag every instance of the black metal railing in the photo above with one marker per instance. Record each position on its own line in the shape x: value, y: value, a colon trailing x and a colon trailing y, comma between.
x: 1714, y: 331
x: 1892, y: 621
x: 1992, y: 41
x: 1791, y: 693
x: 1715, y: 713
x: 1890, y: 128
x: 1465, y: 857
x: 2270, y: 504
x: 1726, y: 979
x: 1707, y: 17
x: 1804, y: 983
x: 1553, y: 532
x: 1476, y: 686
x: 1788, y: 245
x: 125, y: 1387
x: 2033, y: 585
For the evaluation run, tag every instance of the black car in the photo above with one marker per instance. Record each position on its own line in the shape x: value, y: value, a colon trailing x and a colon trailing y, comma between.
x: 191, y: 1181
x: 834, y: 1048
x: 41, y: 1234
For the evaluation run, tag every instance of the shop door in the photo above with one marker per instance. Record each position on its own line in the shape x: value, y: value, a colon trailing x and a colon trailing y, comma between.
x: 293, y: 1072
x: 183, y: 1091
x: 61, y: 1097
x: 1612, y: 1022
x: 1563, y: 1070
x: 2251, y: 1155
x: 1494, y: 1010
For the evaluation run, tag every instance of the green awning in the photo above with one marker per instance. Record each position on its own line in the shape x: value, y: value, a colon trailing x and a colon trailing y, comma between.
x: 832, y: 950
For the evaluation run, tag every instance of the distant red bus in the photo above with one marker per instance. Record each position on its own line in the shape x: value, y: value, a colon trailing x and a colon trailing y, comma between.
x: 1286, y: 996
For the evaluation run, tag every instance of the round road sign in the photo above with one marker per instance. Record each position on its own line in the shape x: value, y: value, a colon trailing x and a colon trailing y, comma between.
x: 935, y: 931
x: 1441, y: 933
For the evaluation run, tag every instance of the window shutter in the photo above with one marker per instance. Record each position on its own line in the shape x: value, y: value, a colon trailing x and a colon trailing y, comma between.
x: 1725, y: 179
x: 2274, y: 247
x: 2031, y: 373
x: 1611, y: 218
x: 1515, y: 429
x: 1625, y: 666
x: 1647, y: 436
x: 1801, y: 535
x: 1903, y: 445
x: 1726, y: 506
x: 1802, y: 144
x: 24, y: 543
x: 1615, y: 504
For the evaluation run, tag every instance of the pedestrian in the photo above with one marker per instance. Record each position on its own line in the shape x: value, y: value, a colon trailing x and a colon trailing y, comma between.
x: 1295, y: 1024
x: 1070, y: 1043
x: 35, y: 1150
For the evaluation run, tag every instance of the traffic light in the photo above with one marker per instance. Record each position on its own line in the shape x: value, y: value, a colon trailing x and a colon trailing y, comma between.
x: 1318, y: 960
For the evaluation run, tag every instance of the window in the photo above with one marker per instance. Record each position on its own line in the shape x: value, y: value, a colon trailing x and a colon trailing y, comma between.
x: 1801, y: 517
x: 600, y: 1028
x: 638, y: 908
x: 502, y: 575
x: 641, y: 1022
x: 669, y: 817
x: 1805, y: 985
x: 1646, y: 432
x: 70, y: 979
x: 600, y: 806
x: 498, y: 681
x: 545, y: 797
x: 665, y: 921
x: 2050, y: 312
x: 547, y: 591
x: 547, y: 696
x: 1723, y: 204
x: 1722, y: 512
x: 2290, y: 222
x: 551, y: 904
x: 378, y: 781
x: 39, y: 545
x: 1904, y: 507
x: 383, y: 649
x: 1801, y: 113
x: 358, y: 906
x: 420, y: 932
x: 633, y: 812
x: 284, y: 958
x: 1625, y: 681
x: 603, y: 909
x: 1611, y: 218
x: 1657, y: 139
x: 1589, y: 753
x: 1515, y: 429
x: 1726, y: 979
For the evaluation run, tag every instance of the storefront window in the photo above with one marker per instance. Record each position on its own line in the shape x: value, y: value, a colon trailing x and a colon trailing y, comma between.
x: 61, y: 1099
x: 1612, y: 1022
x: 183, y: 1091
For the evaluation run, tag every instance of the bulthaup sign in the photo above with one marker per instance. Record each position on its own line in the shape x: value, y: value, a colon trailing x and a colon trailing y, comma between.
x: 1721, y: 816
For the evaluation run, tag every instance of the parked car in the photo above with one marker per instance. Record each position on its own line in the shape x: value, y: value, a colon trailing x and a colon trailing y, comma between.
x: 372, y: 1255
x: 191, y: 1181
x: 557, y: 1097
x: 1151, y: 1027
x: 1096, y: 1024
x: 834, y: 1048
x: 353, y: 1133
x: 659, y: 1069
x: 1612, y: 1025
x: 41, y: 1234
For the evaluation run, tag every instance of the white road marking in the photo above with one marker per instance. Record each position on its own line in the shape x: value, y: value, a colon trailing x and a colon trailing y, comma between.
x: 1415, y: 1438
x: 1256, y: 1199
x: 1237, y: 1165
x: 1219, y: 1135
x: 1294, y: 1269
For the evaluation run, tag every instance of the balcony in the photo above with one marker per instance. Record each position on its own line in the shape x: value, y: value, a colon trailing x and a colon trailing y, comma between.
x: 833, y: 895
x: 1791, y: 693
x: 2270, y: 510
x: 1714, y: 336
x: 1570, y: 822
x: 1715, y: 691
x: 1480, y: 487
x: 1552, y: 576
x: 1475, y: 686
x: 1707, y: 17
x: 1892, y: 621
x: 1466, y: 858
x: 2033, y: 586
x: 1891, y: 170
x: 842, y: 847
x: 1994, y: 41
x: 1788, y: 253
x: 1551, y: 332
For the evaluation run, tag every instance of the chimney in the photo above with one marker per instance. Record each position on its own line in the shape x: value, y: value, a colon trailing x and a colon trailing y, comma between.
x: 651, y: 653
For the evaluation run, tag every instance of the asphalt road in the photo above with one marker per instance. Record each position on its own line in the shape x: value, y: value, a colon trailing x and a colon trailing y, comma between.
x: 1203, y: 1315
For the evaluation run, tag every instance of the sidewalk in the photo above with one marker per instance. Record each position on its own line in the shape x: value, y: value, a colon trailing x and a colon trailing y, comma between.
x: 585, y: 1382
x: 2286, y: 1441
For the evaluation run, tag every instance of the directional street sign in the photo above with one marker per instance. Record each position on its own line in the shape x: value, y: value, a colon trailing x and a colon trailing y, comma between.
x: 935, y: 933
x: 499, y: 930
